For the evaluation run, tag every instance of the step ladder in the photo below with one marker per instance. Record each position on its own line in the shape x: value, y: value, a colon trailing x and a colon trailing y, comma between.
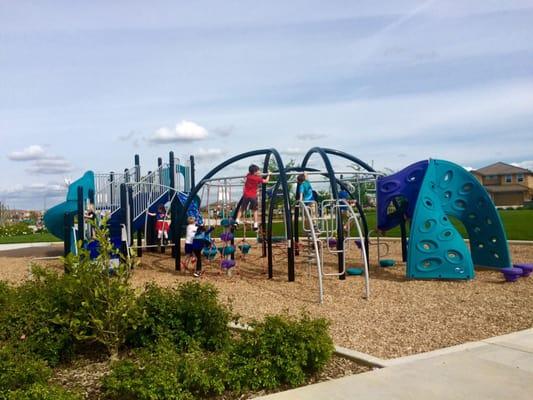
x: 320, y: 229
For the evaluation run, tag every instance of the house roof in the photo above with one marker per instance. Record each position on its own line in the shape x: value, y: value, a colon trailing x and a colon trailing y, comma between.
x: 506, y: 188
x: 501, y: 168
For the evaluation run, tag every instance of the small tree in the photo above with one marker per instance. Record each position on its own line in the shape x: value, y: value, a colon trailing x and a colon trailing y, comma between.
x: 103, y: 303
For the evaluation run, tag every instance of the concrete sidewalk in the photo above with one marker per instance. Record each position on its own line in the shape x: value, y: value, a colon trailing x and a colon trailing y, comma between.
x: 16, y: 246
x: 496, y: 368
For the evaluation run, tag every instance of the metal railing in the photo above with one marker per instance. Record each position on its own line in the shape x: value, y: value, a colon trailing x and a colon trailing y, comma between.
x: 149, y: 189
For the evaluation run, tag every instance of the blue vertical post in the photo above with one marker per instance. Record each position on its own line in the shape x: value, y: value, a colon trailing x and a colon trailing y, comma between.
x: 192, y: 173
x: 81, y: 232
x: 139, y: 231
x: 111, y: 187
x: 68, y: 222
x: 123, y: 214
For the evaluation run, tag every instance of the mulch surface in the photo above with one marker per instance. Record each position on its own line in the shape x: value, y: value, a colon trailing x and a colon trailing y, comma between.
x: 401, y: 317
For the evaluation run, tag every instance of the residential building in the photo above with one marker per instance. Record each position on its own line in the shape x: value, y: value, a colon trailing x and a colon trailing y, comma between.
x: 506, y: 184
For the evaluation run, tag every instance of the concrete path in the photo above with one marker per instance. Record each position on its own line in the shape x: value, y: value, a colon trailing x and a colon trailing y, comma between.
x: 496, y: 368
x: 16, y: 246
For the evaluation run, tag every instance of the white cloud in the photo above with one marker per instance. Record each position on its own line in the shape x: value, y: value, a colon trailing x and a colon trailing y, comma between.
x: 185, y: 131
x: 224, y: 131
x: 51, y: 165
x: 34, y: 190
x: 30, y: 153
x: 310, y: 136
x: 209, y: 154
x: 293, y: 151
x: 528, y: 164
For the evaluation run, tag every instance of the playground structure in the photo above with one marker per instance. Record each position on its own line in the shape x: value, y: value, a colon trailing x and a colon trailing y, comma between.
x: 426, y: 194
x: 128, y: 200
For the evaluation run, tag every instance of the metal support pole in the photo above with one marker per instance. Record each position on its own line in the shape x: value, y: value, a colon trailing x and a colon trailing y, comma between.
x: 81, y: 226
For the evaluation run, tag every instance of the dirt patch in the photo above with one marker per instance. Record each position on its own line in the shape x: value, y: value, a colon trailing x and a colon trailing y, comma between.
x: 402, y: 317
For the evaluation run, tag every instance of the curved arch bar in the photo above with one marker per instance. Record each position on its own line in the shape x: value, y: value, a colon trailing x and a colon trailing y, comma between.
x: 334, y: 191
x: 282, y: 178
x: 349, y: 157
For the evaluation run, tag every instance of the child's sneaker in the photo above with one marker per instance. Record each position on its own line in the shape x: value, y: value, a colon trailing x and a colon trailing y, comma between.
x: 197, y: 274
x: 237, y: 222
x: 256, y: 226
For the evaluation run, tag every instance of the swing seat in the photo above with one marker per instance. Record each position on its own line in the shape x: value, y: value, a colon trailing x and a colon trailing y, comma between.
x: 386, y: 262
x: 354, y: 271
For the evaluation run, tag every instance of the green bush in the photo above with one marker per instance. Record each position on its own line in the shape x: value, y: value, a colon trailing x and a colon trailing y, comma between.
x: 52, y: 314
x: 42, y: 392
x: 19, y: 370
x: 19, y: 228
x: 166, y: 374
x: 186, y: 315
x: 280, y: 350
x: 26, y: 315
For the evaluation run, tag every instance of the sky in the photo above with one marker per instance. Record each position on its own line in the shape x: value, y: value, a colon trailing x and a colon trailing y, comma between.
x: 86, y: 85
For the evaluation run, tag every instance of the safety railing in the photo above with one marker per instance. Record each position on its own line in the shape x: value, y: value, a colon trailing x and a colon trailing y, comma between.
x: 149, y: 189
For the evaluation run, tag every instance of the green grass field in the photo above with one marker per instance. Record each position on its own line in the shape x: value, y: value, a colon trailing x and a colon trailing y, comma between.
x: 33, y: 238
x: 518, y: 225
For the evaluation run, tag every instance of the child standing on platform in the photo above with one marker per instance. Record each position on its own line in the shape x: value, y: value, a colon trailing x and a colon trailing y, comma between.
x: 200, y: 240
x: 189, y: 238
x: 305, y: 192
x: 249, y: 198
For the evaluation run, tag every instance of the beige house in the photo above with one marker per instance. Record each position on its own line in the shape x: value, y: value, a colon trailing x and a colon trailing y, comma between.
x: 506, y: 184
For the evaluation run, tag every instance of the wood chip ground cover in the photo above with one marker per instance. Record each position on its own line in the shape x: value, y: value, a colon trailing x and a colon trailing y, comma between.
x: 402, y: 317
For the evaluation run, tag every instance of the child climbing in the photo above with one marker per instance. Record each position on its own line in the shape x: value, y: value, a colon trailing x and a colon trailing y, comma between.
x: 253, y: 180
x: 161, y: 223
x: 200, y: 240
x: 90, y: 219
x: 305, y: 192
x: 189, y: 238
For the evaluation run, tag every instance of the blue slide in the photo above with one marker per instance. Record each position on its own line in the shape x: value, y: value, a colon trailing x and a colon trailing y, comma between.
x: 54, y: 217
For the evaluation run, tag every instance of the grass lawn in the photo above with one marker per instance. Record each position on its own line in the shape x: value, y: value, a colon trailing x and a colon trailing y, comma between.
x: 32, y: 238
x: 517, y: 223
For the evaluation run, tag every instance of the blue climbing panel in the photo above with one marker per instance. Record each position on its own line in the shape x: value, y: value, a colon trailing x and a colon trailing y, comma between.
x: 436, y: 249
x: 403, y: 184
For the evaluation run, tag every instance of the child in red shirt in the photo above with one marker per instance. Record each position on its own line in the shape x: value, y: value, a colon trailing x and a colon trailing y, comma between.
x: 249, y: 198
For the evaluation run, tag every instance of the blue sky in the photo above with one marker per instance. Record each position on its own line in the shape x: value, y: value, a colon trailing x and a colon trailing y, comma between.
x: 86, y: 85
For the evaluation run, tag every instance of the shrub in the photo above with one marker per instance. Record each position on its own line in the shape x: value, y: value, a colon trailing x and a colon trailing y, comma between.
x: 280, y: 350
x: 164, y: 374
x: 101, y: 302
x: 20, y: 371
x: 26, y: 317
x: 186, y: 315
x: 51, y: 314
x: 42, y: 392
x: 16, y: 229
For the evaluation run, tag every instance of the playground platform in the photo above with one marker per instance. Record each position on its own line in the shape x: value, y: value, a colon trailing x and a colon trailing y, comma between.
x: 495, y: 368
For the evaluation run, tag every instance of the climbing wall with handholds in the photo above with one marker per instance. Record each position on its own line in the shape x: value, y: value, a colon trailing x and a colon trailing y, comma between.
x: 436, y: 248
x: 464, y: 198
x: 406, y: 184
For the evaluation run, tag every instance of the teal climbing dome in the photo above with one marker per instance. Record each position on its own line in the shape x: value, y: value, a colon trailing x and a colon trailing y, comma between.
x: 436, y: 250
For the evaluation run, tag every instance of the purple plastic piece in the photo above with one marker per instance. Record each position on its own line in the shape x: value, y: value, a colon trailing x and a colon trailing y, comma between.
x: 527, y: 269
x: 405, y: 183
x: 358, y: 243
x: 227, y: 264
x: 226, y: 236
x: 332, y: 242
x: 511, y: 274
